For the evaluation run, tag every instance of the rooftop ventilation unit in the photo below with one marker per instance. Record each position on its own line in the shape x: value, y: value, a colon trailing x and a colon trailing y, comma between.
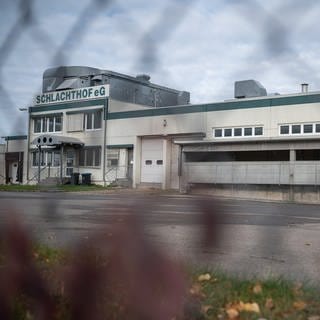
x: 143, y: 77
x: 248, y: 89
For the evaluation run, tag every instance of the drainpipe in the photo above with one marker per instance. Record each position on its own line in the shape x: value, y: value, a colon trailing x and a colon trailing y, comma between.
x: 39, y: 163
x: 28, y: 146
x: 105, y: 142
x: 61, y: 163
x: 291, y: 174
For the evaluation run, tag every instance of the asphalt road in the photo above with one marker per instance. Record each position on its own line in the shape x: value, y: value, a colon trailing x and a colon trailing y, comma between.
x: 256, y: 238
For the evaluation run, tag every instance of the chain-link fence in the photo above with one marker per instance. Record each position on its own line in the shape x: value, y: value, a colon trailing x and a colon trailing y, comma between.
x: 200, y: 46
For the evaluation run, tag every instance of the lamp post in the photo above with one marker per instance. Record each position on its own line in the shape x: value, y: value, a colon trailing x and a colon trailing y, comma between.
x: 26, y: 109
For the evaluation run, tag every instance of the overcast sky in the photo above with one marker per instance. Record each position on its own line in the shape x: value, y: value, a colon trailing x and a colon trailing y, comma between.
x: 199, y: 46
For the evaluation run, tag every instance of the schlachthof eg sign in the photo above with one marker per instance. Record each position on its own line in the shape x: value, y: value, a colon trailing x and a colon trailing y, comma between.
x: 86, y: 93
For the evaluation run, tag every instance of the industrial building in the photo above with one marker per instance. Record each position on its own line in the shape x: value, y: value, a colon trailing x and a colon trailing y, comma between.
x: 125, y: 130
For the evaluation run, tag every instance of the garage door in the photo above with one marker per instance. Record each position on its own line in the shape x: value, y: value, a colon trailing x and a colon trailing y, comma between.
x: 152, y: 160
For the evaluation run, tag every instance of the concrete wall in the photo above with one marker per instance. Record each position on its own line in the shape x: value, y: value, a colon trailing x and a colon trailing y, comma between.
x: 119, y: 106
x: 275, y: 173
x: 124, y: 131
x: 296, y: 193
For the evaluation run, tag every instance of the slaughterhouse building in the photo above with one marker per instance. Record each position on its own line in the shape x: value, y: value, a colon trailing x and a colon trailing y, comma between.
x: 113, y: 128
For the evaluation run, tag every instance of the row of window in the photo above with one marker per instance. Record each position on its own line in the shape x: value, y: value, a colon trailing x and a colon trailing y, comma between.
x: 47, y: 158
x: 47, y: 124
x: 286, y: 129
x: 237, y: 132
x: 88, y: 157
x: 89, y: 121
x: 307, y: 128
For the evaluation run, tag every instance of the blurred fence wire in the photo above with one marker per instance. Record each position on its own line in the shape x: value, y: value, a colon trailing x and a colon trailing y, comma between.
x: 276, y: 43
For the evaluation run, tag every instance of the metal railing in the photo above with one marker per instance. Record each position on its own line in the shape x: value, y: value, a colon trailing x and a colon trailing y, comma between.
x: 45, y: 172
x: 113, y: 174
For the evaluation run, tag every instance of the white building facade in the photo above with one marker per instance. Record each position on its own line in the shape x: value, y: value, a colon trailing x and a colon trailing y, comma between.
x: 119, y: 133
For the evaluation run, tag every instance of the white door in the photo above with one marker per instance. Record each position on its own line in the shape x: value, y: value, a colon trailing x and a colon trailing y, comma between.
x: 152, y: 160
x: 13, y: 172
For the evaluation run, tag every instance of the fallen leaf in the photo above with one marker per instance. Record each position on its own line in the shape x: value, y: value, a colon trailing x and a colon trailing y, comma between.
x: 269, y: 304
x: 307, y: 244
x: 257, y: 289
x: 232, y: 313
x: 249, y: 307
x: 204, y: 277
x: 299, y: 305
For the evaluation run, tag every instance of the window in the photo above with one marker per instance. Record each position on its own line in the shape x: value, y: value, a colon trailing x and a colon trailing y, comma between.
x: 218, y: 133
x: 317, y: 127
x: 75, y: 122
x: 50, y: 123
x: 227, y: 132
x: 258, y: 131
x: 248, y: 131
x: 284, y: 129
x: 93, y: 120
x: 307, y: 128
x: 237, y: 132
x: 58, y: 124
x: 296, y: 129
x: 90, y: 157
x: 37, y: 125
x: 159, y: 162
x: 113, y: 157
x: 148, y: 162
x: 97, y: 156
x: 113, y: 163
x: 47, y: 158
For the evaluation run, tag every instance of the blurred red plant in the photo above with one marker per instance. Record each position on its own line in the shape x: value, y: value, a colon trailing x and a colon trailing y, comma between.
x: 118, y: 274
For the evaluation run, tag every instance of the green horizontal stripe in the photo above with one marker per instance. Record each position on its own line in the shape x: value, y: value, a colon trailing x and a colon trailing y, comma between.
x: 220, y: 106
x: 16, y: 138
x: 47, y: 115
x: 62, y: 106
